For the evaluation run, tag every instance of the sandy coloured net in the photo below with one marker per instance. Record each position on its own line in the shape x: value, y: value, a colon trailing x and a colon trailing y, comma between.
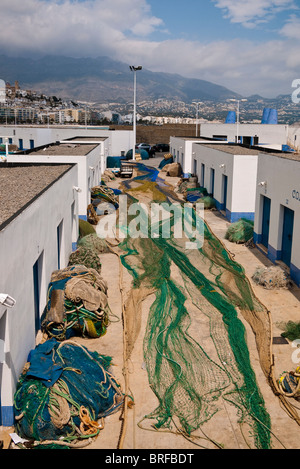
x: 189, y: 378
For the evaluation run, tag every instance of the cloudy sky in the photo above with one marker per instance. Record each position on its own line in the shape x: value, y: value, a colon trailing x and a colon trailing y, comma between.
x: 249, y: 46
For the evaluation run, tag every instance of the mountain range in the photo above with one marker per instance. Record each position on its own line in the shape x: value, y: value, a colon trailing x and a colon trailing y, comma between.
x: 101, y: 80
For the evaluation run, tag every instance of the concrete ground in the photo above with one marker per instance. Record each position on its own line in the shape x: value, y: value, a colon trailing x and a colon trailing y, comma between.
x: 133, y: 432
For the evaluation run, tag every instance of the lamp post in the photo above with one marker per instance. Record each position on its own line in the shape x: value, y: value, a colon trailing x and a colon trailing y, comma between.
x: 197, y: 115
x: 238, y: 116
x: 134, y: 69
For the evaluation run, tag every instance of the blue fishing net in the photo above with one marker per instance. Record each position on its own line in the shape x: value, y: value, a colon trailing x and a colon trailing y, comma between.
x: 63, y: 393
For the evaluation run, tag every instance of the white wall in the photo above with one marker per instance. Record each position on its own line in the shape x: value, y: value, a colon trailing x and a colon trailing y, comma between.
x: 30, y: 236
x: 241, y: 171
x: 282, y: 176
x: 294, y: 137
x: 245, y: 181
x: 117, y: 140
x: 267, y: 133
x: 182, y: 151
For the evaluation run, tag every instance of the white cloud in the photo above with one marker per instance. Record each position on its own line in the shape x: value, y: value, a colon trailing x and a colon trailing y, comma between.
x: 121, y: 29
x: 242, y: 66
x: 253, y: 12
x: 75, y: 27
x: 291, y: 29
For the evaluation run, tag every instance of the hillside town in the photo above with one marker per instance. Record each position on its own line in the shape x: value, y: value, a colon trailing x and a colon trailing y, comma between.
x: 28, y: 106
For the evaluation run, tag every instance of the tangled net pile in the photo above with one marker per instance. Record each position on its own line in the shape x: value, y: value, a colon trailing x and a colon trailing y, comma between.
x: 240, y: 232
x: 62, y: 393
x: 94, y: 243
x: 76, y: 304
x: 87, y: 257
x: 188, y: 383
x: 272, y: 278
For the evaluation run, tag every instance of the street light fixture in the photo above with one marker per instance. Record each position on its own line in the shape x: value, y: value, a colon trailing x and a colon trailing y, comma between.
x: 238, y: 116
x: 134, y: 69
x: 7, y: 300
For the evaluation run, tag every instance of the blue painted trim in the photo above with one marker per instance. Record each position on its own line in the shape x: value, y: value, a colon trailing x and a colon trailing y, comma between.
x: 273, y: 254
x: 8, y: 419
x: 295, y: 274
x: 248, y: 215
x: 257, y: 238
x: 83, y: 217
x: 236, y: 216
x: 219, y: 206
x: 263, y: 251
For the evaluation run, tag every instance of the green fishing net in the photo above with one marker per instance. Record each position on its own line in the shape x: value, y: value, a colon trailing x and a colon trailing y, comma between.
x: 93, y: 242
x: 189, y: 381
x: 85, y: 228
x: 240, y: 231
x: 87, y: 257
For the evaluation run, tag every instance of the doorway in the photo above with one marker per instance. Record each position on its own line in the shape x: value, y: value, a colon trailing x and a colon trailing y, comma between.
x: 2, y: 356
x: 202, y: 175
x: 287, y: 236
x: 212, y: 181
x: 266, y: 222
x: 59, y: 234
x: 37, y: 282
x: 225, y: 186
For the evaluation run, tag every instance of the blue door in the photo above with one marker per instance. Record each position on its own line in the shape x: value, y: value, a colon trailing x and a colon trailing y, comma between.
x: 225, y: 185
x: 212, y: 174
x: 266, y: 222
x: 287, y: 236
x: 37, y: 281
x: 59, y: 243
x: 202, y: 174
x: 195, y: 167
x: 36, y: 290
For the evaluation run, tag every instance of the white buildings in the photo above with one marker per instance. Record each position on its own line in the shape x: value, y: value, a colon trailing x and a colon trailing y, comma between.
x: 29, y: 137
x: 228, y: 172
x: 88, y: 147
x: 249, y: 134
x: 257, y: 183
x: 44, y: 190
x: 87, y: 154
x: 40, y: 208
x: 38, y: 224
